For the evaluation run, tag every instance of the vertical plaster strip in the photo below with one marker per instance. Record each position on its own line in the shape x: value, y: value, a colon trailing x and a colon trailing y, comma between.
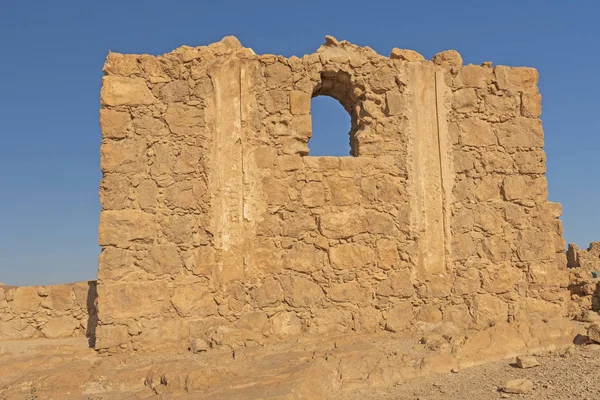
x: 227, y: 175
x: 427, y: 170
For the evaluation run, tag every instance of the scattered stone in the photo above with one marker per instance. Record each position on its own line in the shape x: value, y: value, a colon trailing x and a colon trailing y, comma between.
x: 454, y: 370
x: 594, y: 333
x: 199, y: 345
x: 518, y: 386
x: 592, y: 347
x: 525, y: 362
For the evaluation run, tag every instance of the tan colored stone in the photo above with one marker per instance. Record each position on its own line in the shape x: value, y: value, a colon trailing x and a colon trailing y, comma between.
x: 399, y: 317
x: 132, y: 299
x: 406, y: 55
x: 516, y: 79
x: 117, y: 228
x: 115, y: 124
x: 184, y: 120
x: 121, y: 91
x: 449, y: 59
x: 525, y: 362
x: 286, y: 324
x: 518, y: 386
x: 60, y: 327
x: 302, y: 292
x: 351, y: 256
x: 299, y: 102
x: 304, y: 258
x: 59, y: 298
x: 473, y: 76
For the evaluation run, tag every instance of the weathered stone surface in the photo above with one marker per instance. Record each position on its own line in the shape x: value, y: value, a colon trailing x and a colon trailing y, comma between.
x: 60, y: 327
x: 121, y: 91
x: 214, y: 215
x: 406, y: 55
x: 593, y: 332
x: 527, y: 362
x: 518, y: 386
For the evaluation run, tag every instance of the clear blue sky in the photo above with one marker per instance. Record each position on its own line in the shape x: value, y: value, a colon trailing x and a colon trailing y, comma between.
x: 53, y: 52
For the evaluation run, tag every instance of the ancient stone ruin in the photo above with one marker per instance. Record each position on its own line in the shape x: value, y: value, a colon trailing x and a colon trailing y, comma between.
x: 218, y: 225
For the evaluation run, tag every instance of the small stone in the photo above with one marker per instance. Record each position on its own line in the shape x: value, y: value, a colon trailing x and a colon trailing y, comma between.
x: 527, y: 362
x: 406, y: 55
x: 331, y: 41
x: 518, y: 386
x: 454, y: 370
x: 448, y: 59
x: 592, y: 347
x: 594, y: 332
x: 199, y: 345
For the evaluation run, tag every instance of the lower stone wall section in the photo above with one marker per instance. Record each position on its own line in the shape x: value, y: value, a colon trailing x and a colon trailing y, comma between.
x: 56, y: 311
x: 584, y: 280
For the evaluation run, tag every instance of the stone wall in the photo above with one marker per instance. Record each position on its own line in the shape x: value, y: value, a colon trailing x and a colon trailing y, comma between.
x: 56, y: 311
x: 584, y: 269
x: 217, y: 223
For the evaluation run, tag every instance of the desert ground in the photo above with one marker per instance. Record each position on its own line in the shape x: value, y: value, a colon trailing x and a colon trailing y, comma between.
x: 347, y: 367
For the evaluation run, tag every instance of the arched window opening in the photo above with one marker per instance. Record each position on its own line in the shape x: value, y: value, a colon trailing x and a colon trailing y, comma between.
x: 331, y: 125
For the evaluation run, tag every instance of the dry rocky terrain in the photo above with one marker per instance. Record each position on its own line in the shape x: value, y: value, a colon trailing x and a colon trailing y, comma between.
x: 346, y: 367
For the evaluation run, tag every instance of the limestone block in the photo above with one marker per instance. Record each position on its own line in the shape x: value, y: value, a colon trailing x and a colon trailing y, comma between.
x: 516, y: 79
x: 301, y: 292
x: 147, y: 194
x: 465, y: 100
x: 185, y: 195
x: 299, y: 102
x: 123, y: 156
x: 497, y: 248
x: 531, y: 162
x: 115, y: 191
x: 489, y: 310
x: 531, y: 309
x: 17, y: 329
x: 132, y: 299
x: 344, y: 191
x: 399, y: 284
x: 164, y: 259
x: 184, y: 120
x: 501, y: 278
x: 533, y: 245
x: 458, y: 315
x: 115, y: 124
x: 119, y: 227
x: 121, y: 91
x: 60, y: 298
x: 531, y: 105
x: 348, y: 292
x: 26, y: 299
x: 108, y: 336
x: 395, y: 104
x: 121, y: 64
x: 60, y: 327
x: 523, y: 187
x: 269, y: 294
x: 467, y: 282
x: 518, y: 386
x: 406, y: 55
x: 113, y: 263
x: 383, y: 79
x: 277, y: 75
x: 502, y: 106
x: 343, y: 224
x: 175, y: 91
x: 429, y: 313
x: 399, y: 317
x: 253, y: 321
x: 304, y: 258
x: 520, y: 133
x: 149, y: 127
x: 313, y: 194
x: 473, y: 76
x: 286, y: 324
x: 476, y: 132
x: 387, y: 254
x: 179, y: 229
x: 297, y: 224
x: 351, y: 256
x: 449, y: 59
